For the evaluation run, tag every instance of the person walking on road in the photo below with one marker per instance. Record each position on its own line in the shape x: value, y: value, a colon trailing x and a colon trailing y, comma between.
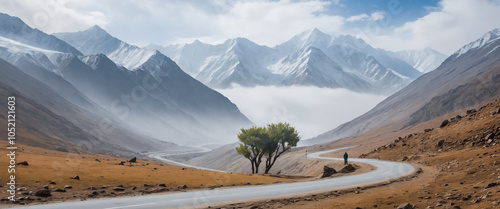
x: 345, y: 158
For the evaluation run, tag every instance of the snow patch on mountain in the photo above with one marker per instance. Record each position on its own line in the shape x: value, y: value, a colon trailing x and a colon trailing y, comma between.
x: 15, y: 29
x: 14, y: 52
x: 479, y: 43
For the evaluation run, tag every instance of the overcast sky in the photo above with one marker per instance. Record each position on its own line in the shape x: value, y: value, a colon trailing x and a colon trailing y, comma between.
x: 444, y: 25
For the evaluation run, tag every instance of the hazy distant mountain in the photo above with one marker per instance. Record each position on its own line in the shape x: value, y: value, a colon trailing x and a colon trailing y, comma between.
x: 41, y: 64
x: 50, y: 121
x: 242, y: 62
x: 311, y: 67
x: 424, y: 60
x: 468, y: 77
x: 173, y: 106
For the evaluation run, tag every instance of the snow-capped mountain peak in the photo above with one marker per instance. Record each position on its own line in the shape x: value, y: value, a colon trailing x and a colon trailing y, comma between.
x: 313, y: 37
x: 15, y: 29
x: 96, y: 40
x: 481, y: 42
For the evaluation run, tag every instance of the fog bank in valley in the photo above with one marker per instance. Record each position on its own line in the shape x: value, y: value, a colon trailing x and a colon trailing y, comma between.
x: 312, y: 110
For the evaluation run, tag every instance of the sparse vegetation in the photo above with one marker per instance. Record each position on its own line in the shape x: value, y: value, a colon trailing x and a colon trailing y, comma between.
x: 271, y: 141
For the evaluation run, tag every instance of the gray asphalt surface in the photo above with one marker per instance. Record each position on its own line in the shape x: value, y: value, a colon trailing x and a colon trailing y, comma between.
x: 386, y: 170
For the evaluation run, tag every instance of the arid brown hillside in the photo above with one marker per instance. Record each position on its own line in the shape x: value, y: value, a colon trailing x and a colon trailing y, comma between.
x: 460, y: 164
x: 102, y: 176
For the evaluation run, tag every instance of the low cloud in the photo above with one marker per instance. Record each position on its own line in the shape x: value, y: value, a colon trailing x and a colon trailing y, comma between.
x: 311, y: 110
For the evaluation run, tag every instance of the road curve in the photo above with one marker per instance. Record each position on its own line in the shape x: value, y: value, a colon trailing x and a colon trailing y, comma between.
x: 385, y: 170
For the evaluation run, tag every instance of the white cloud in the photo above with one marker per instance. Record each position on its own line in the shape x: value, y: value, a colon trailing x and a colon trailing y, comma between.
x: 163, y: 22
x: 271, y: 23
x: 52, y: 16
x: 358, y: 17
x: 364, y: 17
x: 311, y: 110
x: 454, y: 24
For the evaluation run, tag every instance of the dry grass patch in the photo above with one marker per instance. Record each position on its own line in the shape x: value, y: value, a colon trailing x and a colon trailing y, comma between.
x: 95, y: 170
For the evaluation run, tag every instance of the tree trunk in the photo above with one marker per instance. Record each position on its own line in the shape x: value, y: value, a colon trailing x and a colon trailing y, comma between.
x: 253, y: 167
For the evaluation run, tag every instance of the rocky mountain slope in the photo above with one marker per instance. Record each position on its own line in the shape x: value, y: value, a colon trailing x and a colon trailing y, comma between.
x: 49, y: 121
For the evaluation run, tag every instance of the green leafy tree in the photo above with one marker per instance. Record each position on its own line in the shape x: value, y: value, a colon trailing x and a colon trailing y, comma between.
x: 271, y: 141
x: 284, y: 137
x: 252, y: 145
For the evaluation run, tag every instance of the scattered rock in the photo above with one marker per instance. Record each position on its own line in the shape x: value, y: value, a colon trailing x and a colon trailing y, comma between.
x: 23, y: 163
x: 104, y: 187
x: 76, y: 177
x: 420, y: 170
x: 121, y: 163
x: 52, y: 182
x: 404, y: 158
x: 46, y: 186
x: 182, y: 187
x: 162, y: 185
x: 348, y: 169
x: 119, y: 189
x: 466, y: 197
x: 327, y: 171
x: 43, y: 193
x: 68, y: 187
x: 25, y: 198
x: 440, y: 143
x: 60, y: 190
x: 456, y: 207
x: 492, y: 184
x: 471, y: 111
x: 444, y: 123
x: 133, y: 160
x: 405, y: 206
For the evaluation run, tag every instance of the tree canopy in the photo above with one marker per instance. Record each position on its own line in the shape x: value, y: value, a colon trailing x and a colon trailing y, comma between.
x: 270, y: 141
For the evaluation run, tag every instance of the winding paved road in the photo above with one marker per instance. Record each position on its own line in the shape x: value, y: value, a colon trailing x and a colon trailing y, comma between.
x: 386, y: 170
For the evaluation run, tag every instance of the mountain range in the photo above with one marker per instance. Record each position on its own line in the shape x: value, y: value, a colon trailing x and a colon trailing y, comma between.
x: 468, y: 77
x: 138, y: 89
x: 311, y: 58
